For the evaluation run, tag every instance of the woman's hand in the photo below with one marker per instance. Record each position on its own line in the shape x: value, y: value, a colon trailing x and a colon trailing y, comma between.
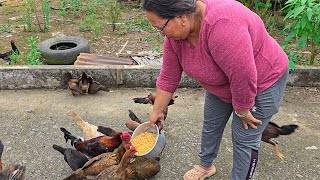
x: 249, y: 120
x: 157, y: 117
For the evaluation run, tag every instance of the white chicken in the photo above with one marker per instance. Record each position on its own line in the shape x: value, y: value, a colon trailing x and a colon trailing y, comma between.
x: 89, y: 131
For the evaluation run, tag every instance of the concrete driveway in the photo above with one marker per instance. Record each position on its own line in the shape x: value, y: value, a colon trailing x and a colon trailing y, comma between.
x: 30, y: 122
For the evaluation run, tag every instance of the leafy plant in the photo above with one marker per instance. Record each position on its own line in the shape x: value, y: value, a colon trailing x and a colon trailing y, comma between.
x: 62, y: 12
x: 88, y: 22
x: 114, y: 13
x: 14, y: 58
x: 34, y: 55
x: 140, y: 24
x: 97, y: 29
x: 159, y: 43
x: 46, y: 14
x: 27, y: 15
x: 305, y: 24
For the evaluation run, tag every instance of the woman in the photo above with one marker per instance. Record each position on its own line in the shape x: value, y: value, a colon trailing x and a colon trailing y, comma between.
x: 226, y: 48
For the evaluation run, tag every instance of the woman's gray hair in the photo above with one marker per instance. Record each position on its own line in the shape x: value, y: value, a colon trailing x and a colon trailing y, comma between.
x: 170, y: 8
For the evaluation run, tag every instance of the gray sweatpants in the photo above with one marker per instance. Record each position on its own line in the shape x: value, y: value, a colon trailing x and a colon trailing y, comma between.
x: 246, y: 142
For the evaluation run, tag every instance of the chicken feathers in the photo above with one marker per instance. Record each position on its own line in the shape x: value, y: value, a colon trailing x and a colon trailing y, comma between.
x: 273, y: 131
x: 151, y: 98
x: 95, y: 146
x: 89, y: 131
x: 144, y: 168
x: 73, y: 157
x: 85, y: 82
x: 97, y: 164
x: 118, y: 172
x: 13, y: 171
x: 134, y: 121
x: 1, y: 151
x: 14, y: 50
x: 73, y: 84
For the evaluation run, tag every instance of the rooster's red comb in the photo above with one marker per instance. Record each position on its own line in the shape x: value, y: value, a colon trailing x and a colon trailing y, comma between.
x: 125, y: 136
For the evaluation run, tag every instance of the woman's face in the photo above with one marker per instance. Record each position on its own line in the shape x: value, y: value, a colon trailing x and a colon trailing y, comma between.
x: 176, y: 28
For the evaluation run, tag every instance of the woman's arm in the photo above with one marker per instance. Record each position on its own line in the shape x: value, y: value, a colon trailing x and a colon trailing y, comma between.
x: 161, y: 102
x: 167, y: 83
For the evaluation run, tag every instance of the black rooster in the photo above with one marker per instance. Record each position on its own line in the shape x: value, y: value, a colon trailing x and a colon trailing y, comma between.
x: 273, y: 131
x: 151, y: 98
x: 6, y: 56
x: 74, y: 158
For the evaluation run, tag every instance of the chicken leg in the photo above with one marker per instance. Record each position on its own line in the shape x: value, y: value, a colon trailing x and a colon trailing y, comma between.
x: 276, y: 148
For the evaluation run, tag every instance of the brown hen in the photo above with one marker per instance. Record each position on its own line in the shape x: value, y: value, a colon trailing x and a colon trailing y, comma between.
x: 73, y: 84
x: 13, y: 171
x: 97, y: 164
x: 118, y: 172
x: 143, y: 168
x: 85, y: 82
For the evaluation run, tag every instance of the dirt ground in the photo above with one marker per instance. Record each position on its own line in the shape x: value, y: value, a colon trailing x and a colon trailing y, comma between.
x: 30, y: 122
x: 108, y: 42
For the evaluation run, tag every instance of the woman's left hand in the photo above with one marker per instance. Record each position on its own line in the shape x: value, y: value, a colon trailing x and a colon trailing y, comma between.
x: 250, y: 120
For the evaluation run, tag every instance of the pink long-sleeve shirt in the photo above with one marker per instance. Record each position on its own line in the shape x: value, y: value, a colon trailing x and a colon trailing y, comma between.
x: 235, y: 58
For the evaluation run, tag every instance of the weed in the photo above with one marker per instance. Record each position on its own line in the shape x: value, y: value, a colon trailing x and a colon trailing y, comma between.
x: 62, y: 12
x: 46, y: 14
x: 159, y: 43
x: 34, y: 55
x: 14, y: 58
x: 114, y: 13
x: 88, y: 22
x: 27, y: 15
x: 140, y: 24
x: 148, y: 38
x: 97, y: 29
x: 5, y: 28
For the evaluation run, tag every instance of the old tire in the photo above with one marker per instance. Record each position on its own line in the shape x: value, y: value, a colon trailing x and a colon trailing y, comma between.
x: 63, y: 50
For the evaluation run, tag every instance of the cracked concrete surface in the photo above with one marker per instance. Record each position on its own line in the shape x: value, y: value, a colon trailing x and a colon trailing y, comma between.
x: 30, y: 122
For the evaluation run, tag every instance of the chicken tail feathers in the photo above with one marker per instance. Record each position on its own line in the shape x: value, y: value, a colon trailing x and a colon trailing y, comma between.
x: 18, y: 173
x: 172, y: 100
x: 134, y: 117
x: 288, y: 129
x: 79, y: 121
x: 14, y: 47
x: 67, y: 135
x: 59, y: 148
x: 107, y: 131
x: 132, y: 125
x: 141, y: 100
x: 1, y: 149
x: 103, y: 88
x: 66, y: 77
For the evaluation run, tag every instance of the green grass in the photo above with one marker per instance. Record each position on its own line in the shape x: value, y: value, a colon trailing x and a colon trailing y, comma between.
x: 6, y: 28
